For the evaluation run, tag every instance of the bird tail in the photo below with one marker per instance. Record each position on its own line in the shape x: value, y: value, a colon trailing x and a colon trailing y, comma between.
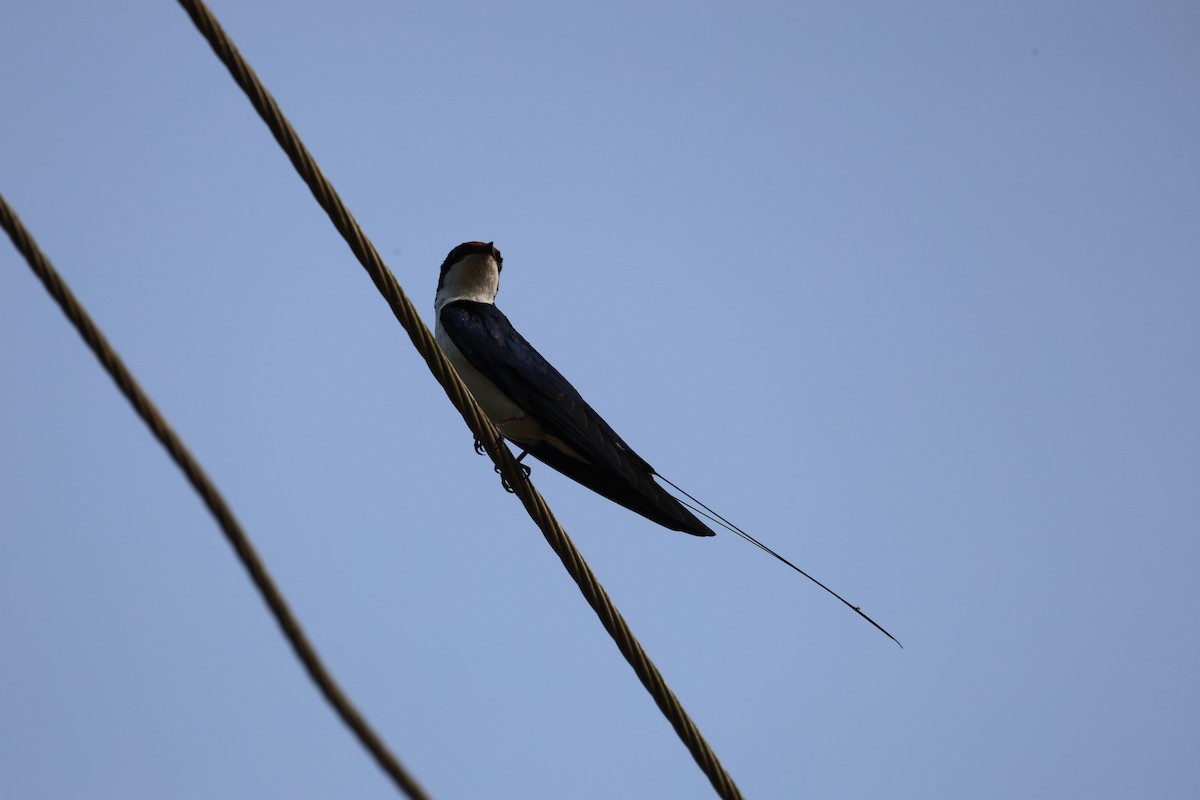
x: 646, y: 498
x: 703, y: 510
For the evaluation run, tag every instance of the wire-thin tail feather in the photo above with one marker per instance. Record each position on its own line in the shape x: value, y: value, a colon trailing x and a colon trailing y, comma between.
x: 729, y: 526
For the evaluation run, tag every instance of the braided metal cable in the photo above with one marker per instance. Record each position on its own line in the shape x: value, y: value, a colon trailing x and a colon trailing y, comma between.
x: 461, y: 397
x: 207, y: 490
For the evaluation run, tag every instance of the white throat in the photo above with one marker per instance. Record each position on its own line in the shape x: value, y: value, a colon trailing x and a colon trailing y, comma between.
x: 476, y: 277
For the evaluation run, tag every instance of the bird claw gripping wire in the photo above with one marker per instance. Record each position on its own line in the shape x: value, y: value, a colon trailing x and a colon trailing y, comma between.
x: 525, y: 471
x: 504, y: 481
x: 481, y: 448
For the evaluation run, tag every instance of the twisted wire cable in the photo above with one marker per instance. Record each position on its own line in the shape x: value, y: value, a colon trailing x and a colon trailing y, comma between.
x: 212, y: 498
x: 461, y: 397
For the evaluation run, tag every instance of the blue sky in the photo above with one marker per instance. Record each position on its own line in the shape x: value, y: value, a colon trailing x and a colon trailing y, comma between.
x: 911, y: 293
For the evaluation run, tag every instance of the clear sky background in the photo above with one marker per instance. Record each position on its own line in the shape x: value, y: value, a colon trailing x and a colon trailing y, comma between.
x: 910, y: 291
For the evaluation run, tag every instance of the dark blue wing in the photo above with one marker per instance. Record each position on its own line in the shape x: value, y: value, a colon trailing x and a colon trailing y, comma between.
x: 490, y: 343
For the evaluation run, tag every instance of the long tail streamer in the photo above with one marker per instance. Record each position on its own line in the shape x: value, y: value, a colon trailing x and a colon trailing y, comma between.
x: 705, y: 511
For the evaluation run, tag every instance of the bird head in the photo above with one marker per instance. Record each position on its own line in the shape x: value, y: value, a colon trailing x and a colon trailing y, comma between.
x: 470, y: 272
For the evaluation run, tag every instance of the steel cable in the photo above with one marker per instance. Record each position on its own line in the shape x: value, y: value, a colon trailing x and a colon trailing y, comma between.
x: 476, y: 420
x: 212, y: 498
x: 422, y: 339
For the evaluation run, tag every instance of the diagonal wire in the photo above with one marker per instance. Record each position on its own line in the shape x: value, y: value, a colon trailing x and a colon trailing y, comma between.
x: 484, y: 431
x: 196, y: 476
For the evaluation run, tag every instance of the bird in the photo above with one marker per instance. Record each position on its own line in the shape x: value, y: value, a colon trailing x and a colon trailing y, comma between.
x: 533, y: 406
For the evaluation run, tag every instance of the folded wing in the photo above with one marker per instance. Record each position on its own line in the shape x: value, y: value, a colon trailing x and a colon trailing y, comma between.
x: 607, y: 465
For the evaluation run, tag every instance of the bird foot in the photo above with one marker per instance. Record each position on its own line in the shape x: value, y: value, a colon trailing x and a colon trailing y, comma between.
x: 479, y: 448
x: 504, y: 482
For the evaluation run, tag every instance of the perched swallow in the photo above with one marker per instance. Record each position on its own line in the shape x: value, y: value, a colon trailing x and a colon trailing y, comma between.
x: 536, y: 408
x: 530, y: 402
